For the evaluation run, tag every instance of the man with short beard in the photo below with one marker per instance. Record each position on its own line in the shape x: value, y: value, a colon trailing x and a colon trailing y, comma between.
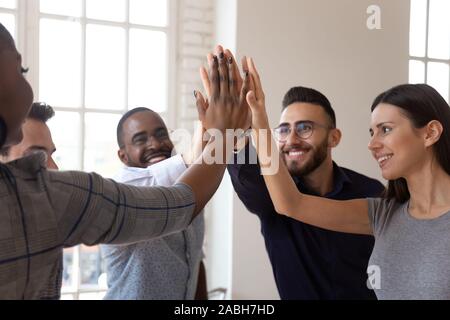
x: 309, y: 262
x: 168, y: 267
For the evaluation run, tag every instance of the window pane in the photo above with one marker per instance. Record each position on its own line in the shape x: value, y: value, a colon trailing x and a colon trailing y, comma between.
x: 417, y: 29
x: 438, y: 77
x: 148, y: 70
x: 11, y: 4
x: 439, y: 29
x: 60, y: 63
x: 91, y: 265
x: 66, y: 7
x: 112, y: 10
x: 68, y: 270
x: 149, y: 12
x: 67, y: 297
x: 65, y: 129
x: 105, y: 67
x: 9, y: 21
x: 416, y: 71
x: 100, y: 144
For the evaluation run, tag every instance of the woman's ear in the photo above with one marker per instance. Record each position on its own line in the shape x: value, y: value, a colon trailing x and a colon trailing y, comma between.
x: 433, y: 132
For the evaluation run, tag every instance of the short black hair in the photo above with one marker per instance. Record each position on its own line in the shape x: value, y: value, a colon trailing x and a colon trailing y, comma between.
x: 309, y: 95
x: 41, y: 111
x: 124, y: 118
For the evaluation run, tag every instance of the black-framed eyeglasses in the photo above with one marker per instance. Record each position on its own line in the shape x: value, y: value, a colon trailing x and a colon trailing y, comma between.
x: 303, y: 130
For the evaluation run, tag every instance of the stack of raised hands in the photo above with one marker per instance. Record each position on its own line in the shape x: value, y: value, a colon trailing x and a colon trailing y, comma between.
x: 235, y: 102
x: 232, y: 99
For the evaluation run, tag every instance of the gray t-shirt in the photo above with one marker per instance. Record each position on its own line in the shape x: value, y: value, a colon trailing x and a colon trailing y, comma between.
x: 410, y: 259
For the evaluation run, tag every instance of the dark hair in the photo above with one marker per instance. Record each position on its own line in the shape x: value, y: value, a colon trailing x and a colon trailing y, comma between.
x: 41, y: 111
x: 421, y: 104
x: 309, y: 95
x: 6, y: 40
x: 124, y: 118
x: 3, y: 132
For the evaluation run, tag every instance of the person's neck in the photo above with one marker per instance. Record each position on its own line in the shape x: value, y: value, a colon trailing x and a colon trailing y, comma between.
x: 321, y: 179
x: 429, y: 190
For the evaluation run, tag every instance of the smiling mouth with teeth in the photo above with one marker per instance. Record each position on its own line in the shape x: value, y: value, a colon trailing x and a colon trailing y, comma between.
x: 296, y: 153
x: 156, y: 158
x: 382, y: 160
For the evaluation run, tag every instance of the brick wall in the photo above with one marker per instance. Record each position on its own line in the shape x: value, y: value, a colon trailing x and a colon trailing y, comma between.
x: 195, y: 39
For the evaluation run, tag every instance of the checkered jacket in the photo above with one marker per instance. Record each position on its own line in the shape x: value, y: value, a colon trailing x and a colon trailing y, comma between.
x: 43, y: 211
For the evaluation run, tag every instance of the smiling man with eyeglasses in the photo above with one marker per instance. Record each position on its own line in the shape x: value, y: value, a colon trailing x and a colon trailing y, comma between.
x: 302, y: 152
x: 309, y: 262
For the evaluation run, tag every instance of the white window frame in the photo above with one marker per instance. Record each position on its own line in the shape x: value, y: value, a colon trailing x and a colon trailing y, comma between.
x: 27, y: 34
x: 426, y: 58
x: 17, y: 14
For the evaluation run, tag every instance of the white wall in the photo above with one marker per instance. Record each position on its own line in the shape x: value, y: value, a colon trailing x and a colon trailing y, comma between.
x: 324, y: 44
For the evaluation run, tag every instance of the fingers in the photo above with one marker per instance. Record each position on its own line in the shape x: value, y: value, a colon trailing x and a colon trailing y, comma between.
x: 251, y: 65
x: 245, y: 87
x: 252, y: 102
x: 236, y: 73
x: 210, y: 59
x: 232, y: 77
x: 223, y: 73
x: 257, y: 81
x: 245, y: 69
x: 224, y: 76
x: 252, y: 83
x: 205, y: 81
x: 219, y: 48
x: 202, y: 105
x: 214, y: 78
x: 244, y: 64
x: 246, y: 113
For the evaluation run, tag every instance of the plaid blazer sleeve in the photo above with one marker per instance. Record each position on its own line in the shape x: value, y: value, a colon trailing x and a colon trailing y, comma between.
x: 90, y: 209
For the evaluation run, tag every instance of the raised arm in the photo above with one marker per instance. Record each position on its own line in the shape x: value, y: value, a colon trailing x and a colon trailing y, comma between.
x: 90, y: 209
x: 224, y: 111
x: 349, y: 216
x: 95, y: 210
